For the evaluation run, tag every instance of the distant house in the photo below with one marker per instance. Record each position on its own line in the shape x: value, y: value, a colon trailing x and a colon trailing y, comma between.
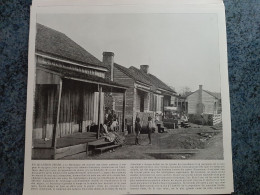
x: 69, y: 88
x: 146, y: 94
x: 203, y: 101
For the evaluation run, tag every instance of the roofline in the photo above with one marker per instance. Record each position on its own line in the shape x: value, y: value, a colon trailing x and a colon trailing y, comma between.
x: 139, y: 82
x: 82, y: 80
x: 208, y: 92
x: 205, y: 91
x: 118, y: 66
x: 95, y: 82
x: 172, y: 92
x: 149, y: 79
x: 49, y: 71
x: 71, y: 62
x: 145, y: 78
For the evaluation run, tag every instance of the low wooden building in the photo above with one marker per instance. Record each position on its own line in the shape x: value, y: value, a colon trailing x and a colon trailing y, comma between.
x: 69, y: 90
x: 146, y: 94
x: 203, y: 101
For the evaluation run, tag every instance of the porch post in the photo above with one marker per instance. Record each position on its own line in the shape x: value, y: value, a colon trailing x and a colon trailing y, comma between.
x: 163, y: 108
x: 177, y: 99
x: 185, y: 106
x: 99, y: 109
x: 123, y: 118
x: 56, y: 122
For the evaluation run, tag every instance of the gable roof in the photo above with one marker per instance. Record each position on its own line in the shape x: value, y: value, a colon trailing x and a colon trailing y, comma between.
x: 57, y: 44
x: 132, y: 74
x: 214, y: 94
x: 152, y: 79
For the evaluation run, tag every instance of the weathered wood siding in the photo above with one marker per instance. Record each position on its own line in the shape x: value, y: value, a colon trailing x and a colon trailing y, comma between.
x: 78, y: 108
x: 123, y: 79
x: 51, y: 62
x: 45, y: 108
x: 153, y: 102
x: 208, y: 101
x: 43, y: 77
x: 193, y: 101
x: 159, y: 103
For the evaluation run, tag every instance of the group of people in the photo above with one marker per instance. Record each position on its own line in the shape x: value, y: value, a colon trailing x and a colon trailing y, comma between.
x: 110, y: 127
x: 138, y: 128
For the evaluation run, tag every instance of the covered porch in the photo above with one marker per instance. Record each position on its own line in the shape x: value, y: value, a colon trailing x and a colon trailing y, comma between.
x: 67, y: 107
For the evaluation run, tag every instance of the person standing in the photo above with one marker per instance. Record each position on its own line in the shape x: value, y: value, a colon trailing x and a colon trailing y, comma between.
x: 137, y: 129
x: 150, y: 128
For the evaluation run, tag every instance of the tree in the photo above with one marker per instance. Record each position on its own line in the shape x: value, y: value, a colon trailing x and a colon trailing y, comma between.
x: 185, y: 91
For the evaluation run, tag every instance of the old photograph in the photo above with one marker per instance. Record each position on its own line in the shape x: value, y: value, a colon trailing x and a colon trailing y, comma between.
x: 141, y: 86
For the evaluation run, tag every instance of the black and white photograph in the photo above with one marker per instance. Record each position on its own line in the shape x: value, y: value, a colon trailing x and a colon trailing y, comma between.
x: 141, y: 86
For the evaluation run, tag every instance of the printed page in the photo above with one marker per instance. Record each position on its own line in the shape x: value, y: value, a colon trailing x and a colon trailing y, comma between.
x: 128, y: 97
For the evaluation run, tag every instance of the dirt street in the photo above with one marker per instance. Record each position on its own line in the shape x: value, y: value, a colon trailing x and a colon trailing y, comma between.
x: 196, y: 142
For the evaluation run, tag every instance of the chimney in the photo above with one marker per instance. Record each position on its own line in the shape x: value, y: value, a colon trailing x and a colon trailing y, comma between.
x: 144, y: 68
x: 108, y: 60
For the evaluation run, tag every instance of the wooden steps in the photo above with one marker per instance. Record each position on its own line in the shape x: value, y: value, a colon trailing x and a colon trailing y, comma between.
x: 101, y: 145
x: 105, y: 148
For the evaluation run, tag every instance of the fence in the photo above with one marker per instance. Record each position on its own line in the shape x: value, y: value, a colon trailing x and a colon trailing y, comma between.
x: 217, y: 118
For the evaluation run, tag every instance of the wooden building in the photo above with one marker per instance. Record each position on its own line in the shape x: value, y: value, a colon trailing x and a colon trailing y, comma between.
x: 203, y: 101
x: 181, y: 104
x: 69, y: 90
x: 146, y: 94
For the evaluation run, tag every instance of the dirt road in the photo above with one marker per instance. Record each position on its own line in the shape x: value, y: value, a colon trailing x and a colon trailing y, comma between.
x: 196, y: 142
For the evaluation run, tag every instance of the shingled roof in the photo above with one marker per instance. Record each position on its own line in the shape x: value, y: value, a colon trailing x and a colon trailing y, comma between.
x: 152, y: 79
x: 57, y: 44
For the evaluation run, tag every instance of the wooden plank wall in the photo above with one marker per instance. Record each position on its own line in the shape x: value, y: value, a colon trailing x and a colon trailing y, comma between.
x: 49, y: 62
x: 153, y: 102
x: 207, y: 100
x: 44, y: 110
x: 78, y: 109
x: 43, y: 77
x: 193, y: 100
x: 122, y: 78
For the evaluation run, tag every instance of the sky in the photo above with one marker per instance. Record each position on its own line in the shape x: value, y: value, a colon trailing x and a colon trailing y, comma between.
x: 180, y: 49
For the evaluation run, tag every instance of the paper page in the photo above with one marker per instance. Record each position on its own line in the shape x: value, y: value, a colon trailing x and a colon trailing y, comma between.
x: 128, y: 97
